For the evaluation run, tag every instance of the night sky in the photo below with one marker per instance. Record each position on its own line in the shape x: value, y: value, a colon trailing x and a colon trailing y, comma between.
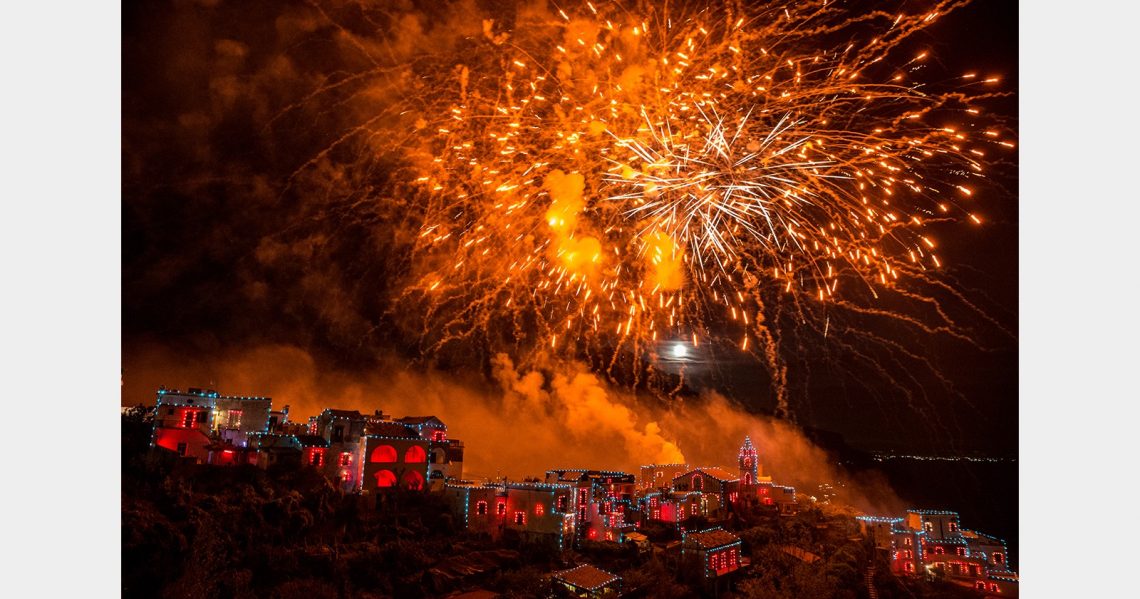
x: 238, y: 236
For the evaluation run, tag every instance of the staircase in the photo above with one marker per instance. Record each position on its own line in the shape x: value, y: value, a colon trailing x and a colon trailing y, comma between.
x: 869, y: 577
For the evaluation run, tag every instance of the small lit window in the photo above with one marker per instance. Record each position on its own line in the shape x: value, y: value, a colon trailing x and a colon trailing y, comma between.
x: 909, y: 567
x: 561, y: 503
x: 981, y: 586
x: 953, y: 526
x: 962, y: 551
x: 538, y: 509
x: 994, y: 587
x: 938, y: 549
x: 907, y: 541
x: 520, y: 517
x: 481, y: 508
x: 345, y: 459
x: 501, y: 508
x: 999, y: 558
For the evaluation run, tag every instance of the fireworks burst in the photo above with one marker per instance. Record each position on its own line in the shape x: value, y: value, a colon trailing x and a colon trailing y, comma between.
x: 610, y: 177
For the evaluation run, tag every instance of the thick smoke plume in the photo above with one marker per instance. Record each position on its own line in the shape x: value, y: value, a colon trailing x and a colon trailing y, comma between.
x: 561, y: 416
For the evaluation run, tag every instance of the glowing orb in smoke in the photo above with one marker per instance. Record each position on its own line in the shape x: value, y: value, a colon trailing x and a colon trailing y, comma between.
x: 680, y: 351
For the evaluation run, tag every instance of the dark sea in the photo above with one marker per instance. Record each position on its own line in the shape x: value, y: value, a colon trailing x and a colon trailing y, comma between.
x: 983, y: 493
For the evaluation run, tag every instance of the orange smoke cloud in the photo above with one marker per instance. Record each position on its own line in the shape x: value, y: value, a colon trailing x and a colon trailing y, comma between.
x: 578, y: 254
x: 523, y: 423
x: 664, y: 261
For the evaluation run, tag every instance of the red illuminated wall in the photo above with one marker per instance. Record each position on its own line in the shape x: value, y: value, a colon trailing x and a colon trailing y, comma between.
x: 195, y: 440
x: 392, y: 462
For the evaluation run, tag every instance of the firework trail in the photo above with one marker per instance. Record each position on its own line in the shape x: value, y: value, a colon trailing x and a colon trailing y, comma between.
x: 596, y: 179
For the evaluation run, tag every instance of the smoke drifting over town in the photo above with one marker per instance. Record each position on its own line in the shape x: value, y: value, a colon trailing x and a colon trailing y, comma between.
x: 521, y: 424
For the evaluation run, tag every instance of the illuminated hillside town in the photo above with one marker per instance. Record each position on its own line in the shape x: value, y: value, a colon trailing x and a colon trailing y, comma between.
x: 687, y: 517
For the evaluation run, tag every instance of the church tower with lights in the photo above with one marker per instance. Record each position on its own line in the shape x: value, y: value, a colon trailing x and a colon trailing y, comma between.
x: 749, y: 464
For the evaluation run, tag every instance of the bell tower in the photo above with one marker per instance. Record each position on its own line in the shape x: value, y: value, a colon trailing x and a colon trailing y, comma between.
x: 749, y: 466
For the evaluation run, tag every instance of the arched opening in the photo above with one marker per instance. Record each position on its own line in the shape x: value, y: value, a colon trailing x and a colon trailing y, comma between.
x: 415, y: 455
x: 385, y: 479
x: 698, y: 482
x: 747, y: 478
x: 438, y: 456
x: 384, y: 453
x: 413, y: 480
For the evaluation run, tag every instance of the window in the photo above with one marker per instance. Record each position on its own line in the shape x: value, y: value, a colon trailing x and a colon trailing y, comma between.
x: 953, y: 526
x: 961, y: 551
x: 561, y: 503
x: 909, y: 567
x: 481, y: 508
x: 907, y: 554
x: 501, y: 509
x: 698, y: 483
x: 413, y: 480
x: 538, y: 509
x: 182, y: 449
x: 384, y: 453
x: 938, y: 549
x: 929, y: 526
x: 907, y: 541
x: 385, y: 478
x: 415, y: 454
x: 345, y: 458
x: 994, y: 587
x: 999, y: 558
x: 188, y: 419
x: 520, y: 517
x: 981, y: 586
x: 315, y: 457
x: 764, y: 491
x: 338, y: 433
x: 439, y: 436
